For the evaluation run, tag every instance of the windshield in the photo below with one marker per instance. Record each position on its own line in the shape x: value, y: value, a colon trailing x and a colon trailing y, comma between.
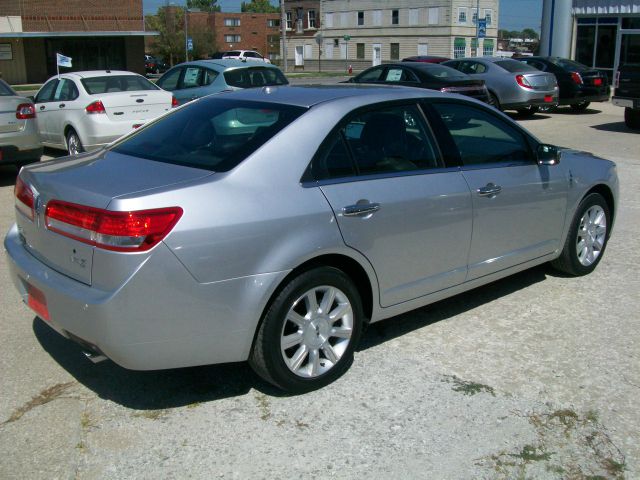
x: 570, y: 65
x: 515, y: 66
x: 213, y: 133
x: 116, y: 83
x: 254, y: 77
x: 442, y: 71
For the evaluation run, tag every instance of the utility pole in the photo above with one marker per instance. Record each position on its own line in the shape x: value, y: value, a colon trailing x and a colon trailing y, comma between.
x: 478, y: 28
x: 283, y: 29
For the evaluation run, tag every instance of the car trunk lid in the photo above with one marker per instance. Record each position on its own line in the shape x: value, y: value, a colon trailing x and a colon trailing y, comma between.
x: 133, y: 106
x: 91, y: 181
x: 8, y: 120
x: 541, y: 81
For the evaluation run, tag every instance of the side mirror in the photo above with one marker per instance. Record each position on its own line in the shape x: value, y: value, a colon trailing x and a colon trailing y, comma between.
x: 547, y: 154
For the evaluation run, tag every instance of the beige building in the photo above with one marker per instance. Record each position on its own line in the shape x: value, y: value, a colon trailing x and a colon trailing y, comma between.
x: 363, y: 33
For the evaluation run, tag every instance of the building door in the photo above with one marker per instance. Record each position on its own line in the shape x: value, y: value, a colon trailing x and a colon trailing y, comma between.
x: 423, y: 49
x: 343, y: 50
x: 299, y: 55
x: 377, y: 54
x: 328, y: 50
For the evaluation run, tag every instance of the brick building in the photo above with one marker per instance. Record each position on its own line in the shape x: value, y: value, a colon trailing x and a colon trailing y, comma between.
x: 96, y: 35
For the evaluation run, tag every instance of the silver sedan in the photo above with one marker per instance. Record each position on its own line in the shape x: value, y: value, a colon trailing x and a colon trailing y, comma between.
x: 19, y: 140
x: 271, y: 224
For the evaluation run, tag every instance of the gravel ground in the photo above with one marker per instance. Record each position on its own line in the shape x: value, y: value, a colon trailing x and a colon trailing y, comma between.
x: 535, y: 376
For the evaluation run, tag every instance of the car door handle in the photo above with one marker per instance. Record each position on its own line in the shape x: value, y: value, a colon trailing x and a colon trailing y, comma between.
x: 360, y: 209
x: 62, y: 105
x: 42, y: 107
x: 490, y: 190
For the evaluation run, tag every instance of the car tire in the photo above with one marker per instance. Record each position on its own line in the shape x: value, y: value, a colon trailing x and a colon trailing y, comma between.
x: 74, y: 145
x: 632, y: 118
x: 529, y: 111
x: 580, y: 107
x: 298, y: 347
x: 494, y: 102
x: 587, y: 237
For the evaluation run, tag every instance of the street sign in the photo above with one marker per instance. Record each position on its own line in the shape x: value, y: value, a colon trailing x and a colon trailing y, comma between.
x: 347, y: 38
x: 482, y: 27
x: 190, y: 44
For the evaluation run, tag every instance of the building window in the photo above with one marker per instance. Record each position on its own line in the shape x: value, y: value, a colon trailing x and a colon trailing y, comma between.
x: 311, y: 19
x: 360, y: 51
x: 395, y: 51
x: 360, y: 18
x: 328, y: 20
x: 376, y: 18
x: 459, y: 47
x: 344, y: 19
x: 395, y: 17
x: 434, y: 16
x: 414, y: 16
x: 273, y: 38
x: 487, y: 48
x: 474, y: 18
x: 462, y: 15
x: 273, y: 23
x: 488, y: 13
x: 289, y: 21
x: 232, y: 38
x: 231, y: 22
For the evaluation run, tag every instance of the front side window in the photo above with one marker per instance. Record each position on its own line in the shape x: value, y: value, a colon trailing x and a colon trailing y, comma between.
x: 169, y: 80
x: 386, y: 140
x: 213, y: 134
x: 371, y: 75
x: 5, y: 90
x: 46, y: 92
x: 482, y: 138
x: 65, y: 91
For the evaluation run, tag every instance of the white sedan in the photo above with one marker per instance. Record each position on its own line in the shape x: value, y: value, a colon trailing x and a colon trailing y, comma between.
x: 87, y: 110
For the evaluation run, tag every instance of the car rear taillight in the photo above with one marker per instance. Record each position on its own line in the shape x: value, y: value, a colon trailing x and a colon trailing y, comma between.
x: 25, y: 200
x: 523, y: 82
x: 25, y: 110
x: 95, y: 107
x: 135, y: 231
x: 597, y: 82
x: 174, y: 102
x: 577, y: 78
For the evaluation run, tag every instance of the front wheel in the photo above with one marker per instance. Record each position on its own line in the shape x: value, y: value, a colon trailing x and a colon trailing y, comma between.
x: 579, y: 107
x: 74, y: 145
x: 309, y: 332
x: 587, y: 238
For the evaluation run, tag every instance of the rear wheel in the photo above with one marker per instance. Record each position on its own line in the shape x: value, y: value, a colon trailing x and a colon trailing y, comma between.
x: 579, y: 107
x: 587, y: 238
x: 529, y: 111
x: 632, y: 118
x: 493, y: 101
x: 74, y: 145
x: 308, y: 334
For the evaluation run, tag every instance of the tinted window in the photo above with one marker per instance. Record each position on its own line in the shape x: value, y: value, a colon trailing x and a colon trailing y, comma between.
x: 470, y: 67
x: 372, y: 75
x: 442, y: 71
x: 567, y: 64
x: 334, y: 162
x: 192, y: 77
x: 5, y: 90
x: 514, y: 66
x: 169, y: 81
x: 116, y: 83
x: 46, y: 92
x: 390, y: 140
x: 66, y: 90
x: 482, y: 138
x: 214, y: 134
x: 254, y: 77
x: 536, y: 64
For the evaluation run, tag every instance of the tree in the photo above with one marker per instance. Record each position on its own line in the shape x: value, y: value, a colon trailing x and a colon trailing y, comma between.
x: 204, y: 5
x: 258, y: 6
x: 530, y: 33
x: 169, y: 23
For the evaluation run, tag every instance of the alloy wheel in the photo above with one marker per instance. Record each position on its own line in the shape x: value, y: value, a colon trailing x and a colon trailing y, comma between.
x: 592, y: 232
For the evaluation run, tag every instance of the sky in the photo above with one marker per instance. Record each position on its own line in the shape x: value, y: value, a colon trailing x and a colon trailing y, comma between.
x: 514, y: 14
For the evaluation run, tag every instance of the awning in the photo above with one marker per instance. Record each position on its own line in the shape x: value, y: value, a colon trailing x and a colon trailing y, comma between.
x: 140, y: 33
x: 488, y: 42
x: 459, y: 42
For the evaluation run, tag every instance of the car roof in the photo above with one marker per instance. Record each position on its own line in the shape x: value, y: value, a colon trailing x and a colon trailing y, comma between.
x: 310, y: 95
x: 98, y: 73
x: 226, y: 63
x: 482, y: 59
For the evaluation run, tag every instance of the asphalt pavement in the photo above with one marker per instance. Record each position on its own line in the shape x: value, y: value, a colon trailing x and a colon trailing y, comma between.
x: 535, y: 376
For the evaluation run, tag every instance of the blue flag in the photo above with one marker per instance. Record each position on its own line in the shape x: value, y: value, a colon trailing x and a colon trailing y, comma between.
x: 63, y: 61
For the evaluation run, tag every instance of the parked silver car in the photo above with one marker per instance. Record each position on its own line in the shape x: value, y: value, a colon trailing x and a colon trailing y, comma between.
x: 270, y: 224
x: 19, y: 141
x: 512, y: 85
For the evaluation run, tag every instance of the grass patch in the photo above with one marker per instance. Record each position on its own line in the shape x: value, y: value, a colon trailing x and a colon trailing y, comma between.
x: 45, y: 396
x: 468, y: 388
x: 152, y: 414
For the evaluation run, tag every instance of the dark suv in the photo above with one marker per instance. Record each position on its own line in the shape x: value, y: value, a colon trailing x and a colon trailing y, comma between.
x: 627, y: 94
x: 579, y: 85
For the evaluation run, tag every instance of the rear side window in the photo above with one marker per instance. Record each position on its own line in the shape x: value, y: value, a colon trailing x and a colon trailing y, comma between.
x: 116, y: 83
x: 482, y: 138
x: 169, y: 80
x: 5, y: 90
x: 254, y: 77
x: 515, y: 66
x: 213, y: 134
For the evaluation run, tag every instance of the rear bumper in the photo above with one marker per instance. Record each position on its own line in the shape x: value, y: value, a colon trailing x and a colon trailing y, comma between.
x: 581, y: 97
x: 159, y: 318
x: 21, y: 146
x: 626, y: 102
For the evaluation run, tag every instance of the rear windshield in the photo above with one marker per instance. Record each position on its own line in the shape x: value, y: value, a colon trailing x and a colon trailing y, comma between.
x: 515, y: 66
x: 254, y: 77
x: 567, y: 64
x: 116, y: 83
x: 5, y: 90
x: 442, y: 71
x: 213, y: 133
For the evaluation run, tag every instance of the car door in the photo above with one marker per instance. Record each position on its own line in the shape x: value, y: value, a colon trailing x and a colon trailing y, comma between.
x: 62, y: 107
x: 45, y: 107
x: 395, y: 75
x: 518, y: 205
x: 395, y: 202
